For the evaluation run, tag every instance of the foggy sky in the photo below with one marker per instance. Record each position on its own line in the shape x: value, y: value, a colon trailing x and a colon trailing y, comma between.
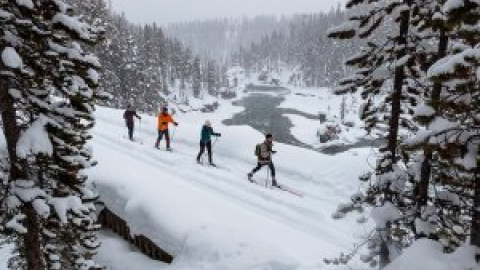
x: 168, y: 11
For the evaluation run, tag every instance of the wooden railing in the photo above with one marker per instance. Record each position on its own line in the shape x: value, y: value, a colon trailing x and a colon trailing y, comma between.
x: 119, y: 226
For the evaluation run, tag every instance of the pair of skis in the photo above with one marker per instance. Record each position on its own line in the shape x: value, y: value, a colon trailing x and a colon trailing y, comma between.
x: 280, y: 187
x: 213, y: 166
x: 135, y: 140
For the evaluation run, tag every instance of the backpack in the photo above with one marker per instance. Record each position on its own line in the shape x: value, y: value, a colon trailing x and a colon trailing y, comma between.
x: 258, y: 149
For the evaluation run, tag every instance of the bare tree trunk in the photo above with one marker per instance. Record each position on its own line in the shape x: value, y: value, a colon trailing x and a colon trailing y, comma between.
x: 394, y: 121
x: 475, y: 231
x: 32, y: 239
x: 426, y: 168
x: 11, y: 130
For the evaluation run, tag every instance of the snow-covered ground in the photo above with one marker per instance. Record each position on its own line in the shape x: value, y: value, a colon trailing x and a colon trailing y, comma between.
x: 116, y: 254
x: 214, y: 218
x: 5, y: 254
x: 316, y: 101
x: 312, y: 101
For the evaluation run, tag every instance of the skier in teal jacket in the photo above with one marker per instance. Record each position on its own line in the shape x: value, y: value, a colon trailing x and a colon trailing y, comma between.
x: 206, y: 141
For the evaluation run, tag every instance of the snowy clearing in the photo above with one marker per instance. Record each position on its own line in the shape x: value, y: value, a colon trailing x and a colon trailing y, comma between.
x: 214, y: 218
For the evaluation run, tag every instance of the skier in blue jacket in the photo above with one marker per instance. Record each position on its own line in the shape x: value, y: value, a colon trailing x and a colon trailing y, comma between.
x: 206, y: 141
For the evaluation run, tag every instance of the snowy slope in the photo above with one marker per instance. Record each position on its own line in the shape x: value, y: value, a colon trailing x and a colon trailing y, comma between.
x: 5, y: 254
x: 214, y: 218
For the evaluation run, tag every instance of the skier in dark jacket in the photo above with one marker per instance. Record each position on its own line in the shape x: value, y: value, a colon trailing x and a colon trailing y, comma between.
x: 206, y: 141
x: 128, y: 116
x: 264, y: 157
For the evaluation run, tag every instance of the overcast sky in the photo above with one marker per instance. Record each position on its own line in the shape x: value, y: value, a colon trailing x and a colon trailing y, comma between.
x: 168, y: 11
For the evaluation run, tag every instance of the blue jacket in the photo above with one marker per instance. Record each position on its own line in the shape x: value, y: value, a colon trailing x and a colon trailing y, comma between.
x: 207, y: 133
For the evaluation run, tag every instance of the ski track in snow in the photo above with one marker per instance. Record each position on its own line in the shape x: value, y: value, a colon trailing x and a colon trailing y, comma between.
x: 267, y: 202
x: 308, y: 217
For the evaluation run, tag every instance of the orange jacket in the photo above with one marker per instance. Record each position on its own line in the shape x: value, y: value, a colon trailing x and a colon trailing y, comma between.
x: 163, y: 120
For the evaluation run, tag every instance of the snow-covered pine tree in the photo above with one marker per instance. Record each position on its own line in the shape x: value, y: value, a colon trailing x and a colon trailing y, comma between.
x: 98, y: 14
x: 301, y: 44
x: 185, y: 72
x: 42, y: 57
x: 439, y: 214
x: 113, y: 58
x: 197, y: 77
x: 94, y: 12
x: 386, y: 74
x: 211, y: 78
x: 455, y: 127
x: 175, y: 55
x: 162, y: 51
x: 160, y: 59
x: 130, y: 75
x: 150, y: 66
x: 224, y: 82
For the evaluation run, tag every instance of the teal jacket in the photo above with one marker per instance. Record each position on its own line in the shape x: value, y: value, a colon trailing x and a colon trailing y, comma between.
x: 207, y: 133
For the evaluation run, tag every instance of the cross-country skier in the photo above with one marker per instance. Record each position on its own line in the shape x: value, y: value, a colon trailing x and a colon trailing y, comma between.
x: 264, y: 152
x: 128, y: 116
x: 206, y: 141
x: 164, y: 118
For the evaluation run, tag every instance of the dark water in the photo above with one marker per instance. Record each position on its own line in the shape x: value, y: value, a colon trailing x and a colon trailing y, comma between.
x: 266, y: 88
x: 362, y: 143
x: 262, y: 113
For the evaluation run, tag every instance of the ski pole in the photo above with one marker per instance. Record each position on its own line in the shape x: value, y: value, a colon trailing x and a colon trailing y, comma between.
x: 268, y: 177
x: 205, y: 152
x: 211, y: 148
x: 140, y: 130
x: 173, y: 133
x: 214, y: 142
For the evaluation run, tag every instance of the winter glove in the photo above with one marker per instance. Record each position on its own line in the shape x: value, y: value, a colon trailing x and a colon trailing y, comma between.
x: 219, y: 134
x: 175, y: 123
x: 274, y: 152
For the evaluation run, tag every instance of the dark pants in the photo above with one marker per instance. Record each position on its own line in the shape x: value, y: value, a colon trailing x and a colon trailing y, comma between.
x: 202, y: 150
x: 260, y: 165
x: 130, y: 126
x: 160, y: 136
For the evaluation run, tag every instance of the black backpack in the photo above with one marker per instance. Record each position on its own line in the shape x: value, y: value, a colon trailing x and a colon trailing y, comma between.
x: 258, y: 149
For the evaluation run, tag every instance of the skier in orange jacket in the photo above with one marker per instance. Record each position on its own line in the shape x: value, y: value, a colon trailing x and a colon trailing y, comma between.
x: 164, y: 118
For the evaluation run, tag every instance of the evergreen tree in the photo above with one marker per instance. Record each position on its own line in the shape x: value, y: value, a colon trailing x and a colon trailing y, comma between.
x: 438, y: 194
x: 424, y: 166
x: 301, y: 45
x: 197, y: 77
x: 386, y: 74
x: 46, y: 145
x: 130, y: 75
x: 454, y: 125
x: 150, y: 66
x: 211, y: 79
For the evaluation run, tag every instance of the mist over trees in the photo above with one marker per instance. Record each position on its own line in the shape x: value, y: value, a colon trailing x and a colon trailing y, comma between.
x: 269, y: 43
x: 144, y: 67
x: 218, y: 38
x: 304, y: 48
